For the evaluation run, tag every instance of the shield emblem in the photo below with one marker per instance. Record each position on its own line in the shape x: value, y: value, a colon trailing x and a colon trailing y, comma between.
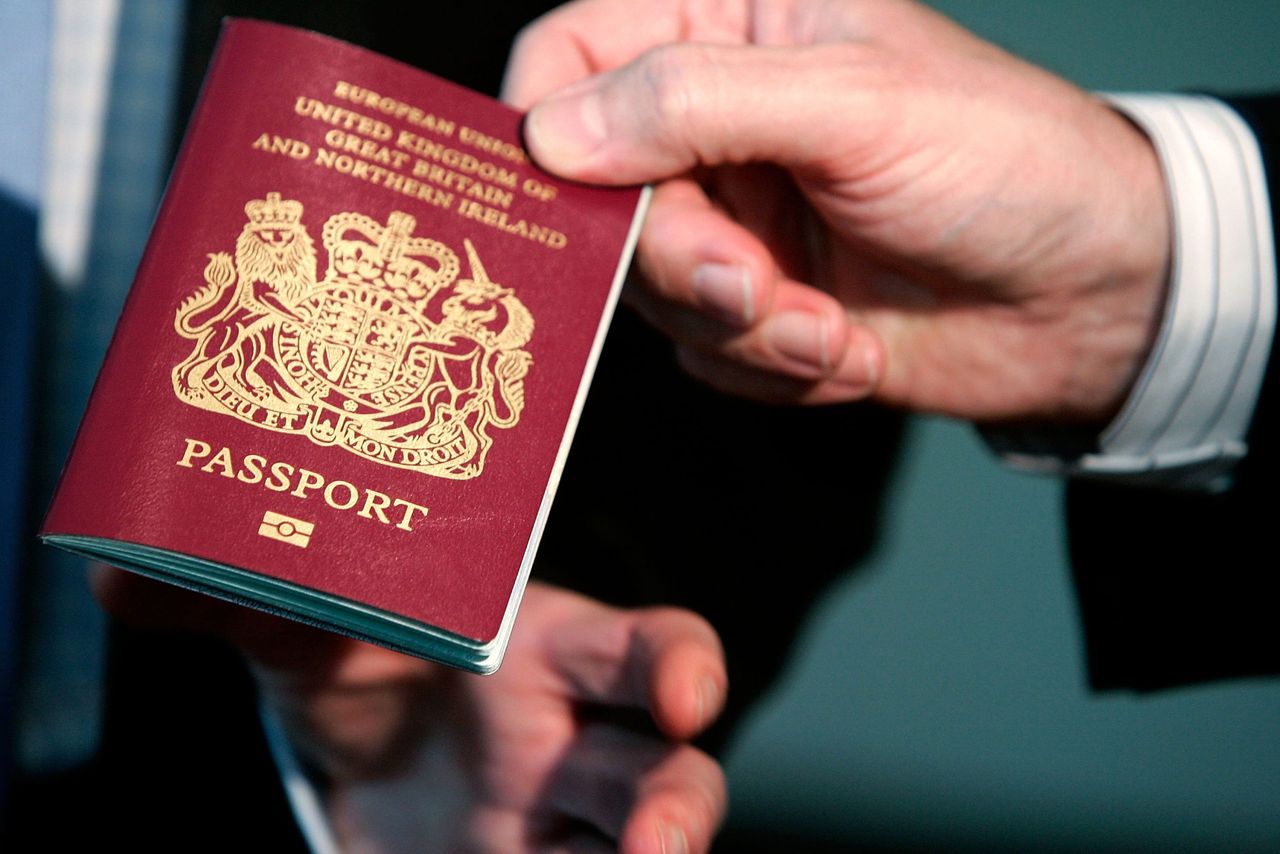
x: 357, y: 338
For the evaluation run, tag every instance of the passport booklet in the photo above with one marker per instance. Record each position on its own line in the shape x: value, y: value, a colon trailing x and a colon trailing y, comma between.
x: 344, y: 383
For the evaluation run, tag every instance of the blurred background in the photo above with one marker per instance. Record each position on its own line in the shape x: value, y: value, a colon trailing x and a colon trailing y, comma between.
x: 938, y: 699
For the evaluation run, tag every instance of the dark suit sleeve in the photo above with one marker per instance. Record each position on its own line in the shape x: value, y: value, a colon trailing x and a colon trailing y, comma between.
x: 1175, y: 588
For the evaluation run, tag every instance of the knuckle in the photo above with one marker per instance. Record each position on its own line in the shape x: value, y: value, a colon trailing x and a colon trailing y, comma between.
x: 676, y: 81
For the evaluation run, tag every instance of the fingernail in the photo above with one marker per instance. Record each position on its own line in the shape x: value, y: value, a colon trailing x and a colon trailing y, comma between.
x: 567, y: 126
x: 801, y: 336
x: 673, y: 841
x: 726, y: 290
x: 708, y: 700
x: 871, y: 360
x: 861, y: 368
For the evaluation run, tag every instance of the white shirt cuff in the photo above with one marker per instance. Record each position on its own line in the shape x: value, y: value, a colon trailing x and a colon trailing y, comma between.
x: 1185, y: 421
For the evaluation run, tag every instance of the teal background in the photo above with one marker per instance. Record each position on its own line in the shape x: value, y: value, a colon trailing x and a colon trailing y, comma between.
x: 939, y: 698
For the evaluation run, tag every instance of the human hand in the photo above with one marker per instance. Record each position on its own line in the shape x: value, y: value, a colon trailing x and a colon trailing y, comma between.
x: 858, y: 198
x: 541, y: 756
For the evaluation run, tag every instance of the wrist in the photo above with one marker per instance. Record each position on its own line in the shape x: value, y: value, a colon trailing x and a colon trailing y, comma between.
x: 1186, y: 415
x: 1119, y: 322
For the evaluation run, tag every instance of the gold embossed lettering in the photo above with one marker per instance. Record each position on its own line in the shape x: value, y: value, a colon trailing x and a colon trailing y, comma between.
x: 195, y: 450
x: 273, y: 144
x: 340, y: 495
x: 222, y: 460
x: 409, y: 507
x: 353, y: 495
x: 307, y: 479
x: 374, y: 504
x: 280, y: 474
x: 252, y: 471
x: 389, y: 106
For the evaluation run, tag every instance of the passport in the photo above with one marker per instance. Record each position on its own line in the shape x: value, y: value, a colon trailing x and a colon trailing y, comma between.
x: 344, y: 383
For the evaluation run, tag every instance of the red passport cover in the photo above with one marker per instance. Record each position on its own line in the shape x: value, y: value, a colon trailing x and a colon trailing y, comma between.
x: 357, y: 341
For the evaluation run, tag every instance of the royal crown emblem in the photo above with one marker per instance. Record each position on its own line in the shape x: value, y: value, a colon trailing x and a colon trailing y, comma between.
x: 392, y: 356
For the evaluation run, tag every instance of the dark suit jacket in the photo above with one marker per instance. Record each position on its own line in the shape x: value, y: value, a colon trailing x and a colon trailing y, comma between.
x: 1174, y: 588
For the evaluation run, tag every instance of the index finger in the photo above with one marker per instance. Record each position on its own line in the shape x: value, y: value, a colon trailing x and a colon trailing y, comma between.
x: 666, y: 660
x: 586, y: 37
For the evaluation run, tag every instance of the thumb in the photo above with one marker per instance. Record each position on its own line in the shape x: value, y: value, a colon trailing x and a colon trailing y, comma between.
x: 683, y: 105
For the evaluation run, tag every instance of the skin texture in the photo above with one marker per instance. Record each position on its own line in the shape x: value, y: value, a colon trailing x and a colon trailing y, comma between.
x: 579, y: 743
x: 857, y: 198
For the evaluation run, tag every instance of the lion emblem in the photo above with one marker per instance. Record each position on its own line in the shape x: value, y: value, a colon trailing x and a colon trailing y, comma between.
x: 233, y: 314
x: 393, y: 356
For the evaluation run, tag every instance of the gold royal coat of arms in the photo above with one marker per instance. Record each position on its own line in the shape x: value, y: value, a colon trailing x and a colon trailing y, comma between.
x: 392, y: 356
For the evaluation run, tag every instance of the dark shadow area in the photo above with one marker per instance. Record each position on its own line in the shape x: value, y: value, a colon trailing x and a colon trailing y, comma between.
x: 18, y: 244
